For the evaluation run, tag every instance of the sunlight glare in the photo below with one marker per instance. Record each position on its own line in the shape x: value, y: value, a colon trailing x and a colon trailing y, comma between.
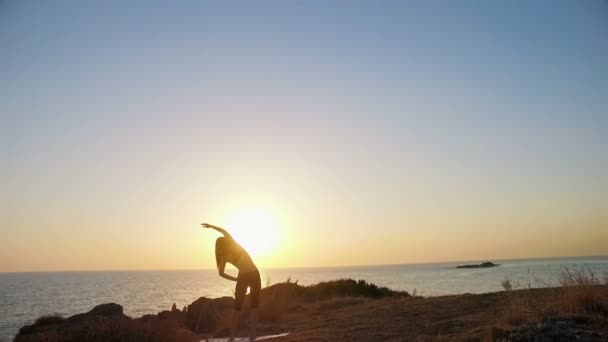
x: 255, y: 229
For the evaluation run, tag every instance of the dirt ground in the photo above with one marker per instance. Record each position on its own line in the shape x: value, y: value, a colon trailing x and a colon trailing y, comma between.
x: 448, y: 318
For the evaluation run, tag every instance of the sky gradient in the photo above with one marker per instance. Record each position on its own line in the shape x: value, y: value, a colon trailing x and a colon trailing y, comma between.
x: 371, y: 132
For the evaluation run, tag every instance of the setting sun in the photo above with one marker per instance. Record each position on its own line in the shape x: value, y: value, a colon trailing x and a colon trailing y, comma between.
x: 255, y: 229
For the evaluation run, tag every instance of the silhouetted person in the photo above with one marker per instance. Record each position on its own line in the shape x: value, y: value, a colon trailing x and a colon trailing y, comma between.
x: 227, y: 250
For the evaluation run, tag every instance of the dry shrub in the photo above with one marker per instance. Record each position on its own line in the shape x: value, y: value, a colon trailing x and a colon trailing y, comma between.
x: 347, y: 288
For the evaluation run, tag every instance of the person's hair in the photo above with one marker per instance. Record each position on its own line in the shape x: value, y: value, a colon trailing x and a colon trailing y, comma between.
x: 220, y: 249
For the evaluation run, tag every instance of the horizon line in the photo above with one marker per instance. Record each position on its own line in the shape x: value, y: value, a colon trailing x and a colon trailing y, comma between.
x: 308, y: 267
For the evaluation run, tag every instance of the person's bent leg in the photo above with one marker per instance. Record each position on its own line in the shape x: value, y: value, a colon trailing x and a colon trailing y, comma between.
x: 239, y: 297
x: 255, y: 288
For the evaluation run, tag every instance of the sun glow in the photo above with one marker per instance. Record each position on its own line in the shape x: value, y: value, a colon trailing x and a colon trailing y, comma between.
x: 255, y: 229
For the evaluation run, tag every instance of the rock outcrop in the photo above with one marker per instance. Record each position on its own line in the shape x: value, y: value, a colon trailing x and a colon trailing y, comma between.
x: 107, y: 322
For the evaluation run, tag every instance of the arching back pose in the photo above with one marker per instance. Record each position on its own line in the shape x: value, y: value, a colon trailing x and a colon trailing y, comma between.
x: 228, y: 250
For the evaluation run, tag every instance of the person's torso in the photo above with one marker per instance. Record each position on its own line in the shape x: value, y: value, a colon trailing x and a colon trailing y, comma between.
x: 239, y: 257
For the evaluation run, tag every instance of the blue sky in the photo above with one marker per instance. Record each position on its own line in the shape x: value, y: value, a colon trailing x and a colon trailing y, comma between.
x: 401, y: 123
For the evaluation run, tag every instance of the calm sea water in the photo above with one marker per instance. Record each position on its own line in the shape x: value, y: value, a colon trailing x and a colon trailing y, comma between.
x: 26, y: 296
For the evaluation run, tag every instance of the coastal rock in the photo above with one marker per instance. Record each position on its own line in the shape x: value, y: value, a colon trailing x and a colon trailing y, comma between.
x: 103, y: 310
x: 174, y: 316
x: 44, y: 325
x: 109, y: 309
x: 107, y: 322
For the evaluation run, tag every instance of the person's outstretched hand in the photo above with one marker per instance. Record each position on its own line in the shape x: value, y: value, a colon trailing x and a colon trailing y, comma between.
x: 206, y: 225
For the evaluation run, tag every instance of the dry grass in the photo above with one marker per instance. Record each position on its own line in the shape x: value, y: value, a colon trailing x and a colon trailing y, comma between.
x: 580, y: 292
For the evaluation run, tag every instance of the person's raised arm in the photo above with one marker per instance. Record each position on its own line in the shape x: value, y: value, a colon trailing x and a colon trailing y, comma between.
x: 221, y: 230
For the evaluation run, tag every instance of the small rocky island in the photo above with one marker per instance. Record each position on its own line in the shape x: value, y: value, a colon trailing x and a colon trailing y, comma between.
x: 482, y: 265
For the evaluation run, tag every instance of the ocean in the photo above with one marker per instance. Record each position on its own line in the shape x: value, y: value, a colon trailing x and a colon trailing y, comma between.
x: 26, y: 296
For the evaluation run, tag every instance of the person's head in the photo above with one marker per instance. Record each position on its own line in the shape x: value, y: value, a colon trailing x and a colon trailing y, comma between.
x: 221, y: 246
